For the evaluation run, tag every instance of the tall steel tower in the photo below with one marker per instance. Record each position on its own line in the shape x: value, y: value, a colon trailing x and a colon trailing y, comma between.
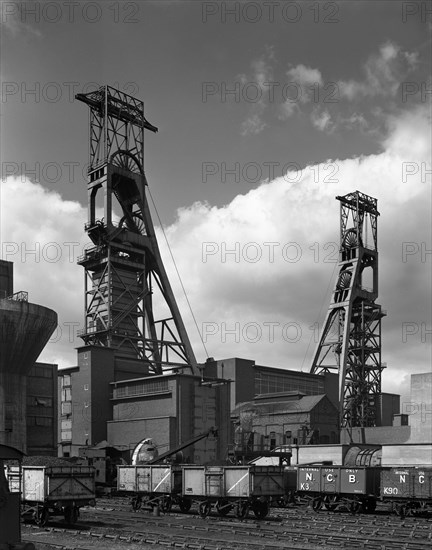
x: 129, y: 303
x: 350, y: 342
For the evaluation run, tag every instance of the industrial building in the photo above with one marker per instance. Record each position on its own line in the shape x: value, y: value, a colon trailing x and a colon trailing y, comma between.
x: 412, y: 426
x: 285, y: 419
x: 25, y: 328
x: 170, y: 409
x: 249, y: 380
x: 137, y: 377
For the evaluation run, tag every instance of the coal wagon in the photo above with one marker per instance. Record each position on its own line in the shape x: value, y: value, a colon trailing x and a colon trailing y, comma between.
x: 152, y: 485
x: 53, y: 490
x: 407, y: 488
x: 335, y: 487
x: 241, y: 488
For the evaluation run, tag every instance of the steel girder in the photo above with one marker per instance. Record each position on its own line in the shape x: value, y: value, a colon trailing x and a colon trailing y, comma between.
x: 350, y: 343
x: 126, y: 283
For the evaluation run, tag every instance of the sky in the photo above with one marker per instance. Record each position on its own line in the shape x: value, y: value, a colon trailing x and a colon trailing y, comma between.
x: 266, y: 112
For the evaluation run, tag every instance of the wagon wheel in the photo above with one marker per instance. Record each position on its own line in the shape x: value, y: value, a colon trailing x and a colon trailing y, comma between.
x: 344, y: 280
x: 354, y: 506
x: 204, y: 509
x: 331, y: 502
x: 41, y: 516
x: 261, y: 509
x: 317, y: 504
x: 136, y: 503
x: 165, y: 504
x: 185, y: 505
x: 71, y: 514
x: 350, y: 239
x: 242, y: 509
x: 127, y: 161
x: 223, y: 507
x: 282, y: 502
x: 403, y: 510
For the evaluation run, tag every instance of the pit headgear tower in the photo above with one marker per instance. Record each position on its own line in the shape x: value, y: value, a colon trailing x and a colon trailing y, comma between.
x: 350, y: 342
x: 129, y: 303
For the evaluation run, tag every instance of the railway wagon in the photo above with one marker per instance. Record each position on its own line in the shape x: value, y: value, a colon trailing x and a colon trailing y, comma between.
x: 407, y: 488
x: 243, y: 488
x: 336, y: 487
x: 53, y: 490
x: 152, y: 485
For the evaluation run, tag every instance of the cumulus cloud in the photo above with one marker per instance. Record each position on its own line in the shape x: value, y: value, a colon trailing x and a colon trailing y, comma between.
x: 44, y: 235
x: 259, y: 271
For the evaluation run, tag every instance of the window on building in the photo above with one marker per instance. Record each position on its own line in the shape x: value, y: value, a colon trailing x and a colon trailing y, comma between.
x: 66, y: 394
x: 66, y: 435
x: 66, y: 425
x: 66, y: 380
x: 272, y: 440
x: 66, y: 407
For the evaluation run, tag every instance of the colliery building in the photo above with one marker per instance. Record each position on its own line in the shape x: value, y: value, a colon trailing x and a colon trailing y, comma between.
x: 136, y: 375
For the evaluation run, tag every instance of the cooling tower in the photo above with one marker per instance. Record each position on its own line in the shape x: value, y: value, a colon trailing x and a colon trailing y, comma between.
x: 24, y: 331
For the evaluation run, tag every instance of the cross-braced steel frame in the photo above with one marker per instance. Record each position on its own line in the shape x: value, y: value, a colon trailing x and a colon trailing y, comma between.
x: 125, y: 279
x: 350, y: 343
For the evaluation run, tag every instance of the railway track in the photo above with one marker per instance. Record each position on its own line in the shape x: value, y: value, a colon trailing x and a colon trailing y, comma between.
x: 112, y: 524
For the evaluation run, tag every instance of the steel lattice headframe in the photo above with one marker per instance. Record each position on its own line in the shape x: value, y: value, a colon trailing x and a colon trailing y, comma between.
x: 350, y: 343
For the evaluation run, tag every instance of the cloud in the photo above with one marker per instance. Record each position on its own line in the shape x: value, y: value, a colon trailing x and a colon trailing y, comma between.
x: 260, y: 77
x: 302, y: 81
x: 305, y: 78
x: 43, y: 235
x: 12, y: 20
x: 383, y: 73
x: 252, y: 125
x: 322, y: 120
x: 259, y: 270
